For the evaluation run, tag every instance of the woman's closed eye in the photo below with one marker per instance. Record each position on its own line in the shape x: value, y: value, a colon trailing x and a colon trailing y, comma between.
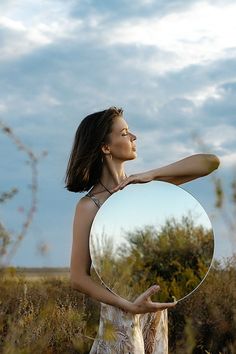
x: 126, y: 133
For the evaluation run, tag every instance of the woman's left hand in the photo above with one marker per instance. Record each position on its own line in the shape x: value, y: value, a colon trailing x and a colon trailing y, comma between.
x: 137, y: 178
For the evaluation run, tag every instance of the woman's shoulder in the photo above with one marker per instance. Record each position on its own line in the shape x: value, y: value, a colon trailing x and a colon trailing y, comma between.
x: 85, y: 210
x: 88, y: 202
x: 90, y: 196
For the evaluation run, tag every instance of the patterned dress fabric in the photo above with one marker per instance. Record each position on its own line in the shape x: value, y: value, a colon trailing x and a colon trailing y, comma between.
x: 131, y: 333
x: 122, y: 332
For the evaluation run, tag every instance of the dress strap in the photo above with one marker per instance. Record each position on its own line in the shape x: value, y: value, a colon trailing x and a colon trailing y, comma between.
x: 96, y: 201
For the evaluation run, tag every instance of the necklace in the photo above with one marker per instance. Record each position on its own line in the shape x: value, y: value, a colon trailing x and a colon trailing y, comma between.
x: 106, y: 187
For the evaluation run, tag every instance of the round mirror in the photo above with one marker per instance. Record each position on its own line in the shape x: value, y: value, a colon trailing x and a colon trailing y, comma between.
x: 152, y: 233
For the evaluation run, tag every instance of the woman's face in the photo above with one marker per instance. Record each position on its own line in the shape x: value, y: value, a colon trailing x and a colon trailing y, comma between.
x: 122, y: 145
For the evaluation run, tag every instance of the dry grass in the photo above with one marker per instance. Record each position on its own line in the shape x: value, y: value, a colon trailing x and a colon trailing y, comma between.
x: 48, y: 316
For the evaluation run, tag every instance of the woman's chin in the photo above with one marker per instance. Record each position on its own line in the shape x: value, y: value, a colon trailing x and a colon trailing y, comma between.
x: 132, y: 156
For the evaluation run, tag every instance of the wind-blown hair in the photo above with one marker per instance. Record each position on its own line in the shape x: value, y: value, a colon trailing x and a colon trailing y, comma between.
x: 85, y: 162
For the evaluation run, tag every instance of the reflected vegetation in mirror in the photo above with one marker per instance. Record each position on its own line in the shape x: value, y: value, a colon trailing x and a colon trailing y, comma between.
x: 152, y: 233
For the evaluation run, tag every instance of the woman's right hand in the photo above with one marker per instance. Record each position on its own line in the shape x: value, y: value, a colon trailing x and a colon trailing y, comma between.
x: 144, y: 304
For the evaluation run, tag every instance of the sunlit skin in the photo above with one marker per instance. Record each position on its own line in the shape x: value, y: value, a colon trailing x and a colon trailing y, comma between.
x: 119, y: 149
x: 122, y: 148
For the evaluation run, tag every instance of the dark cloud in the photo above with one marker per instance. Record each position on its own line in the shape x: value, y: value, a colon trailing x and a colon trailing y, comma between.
x: 86, y: 78
x: 50, y: 89
x: 222, y: 110
x: 85, y: 75
x: 122, y: 9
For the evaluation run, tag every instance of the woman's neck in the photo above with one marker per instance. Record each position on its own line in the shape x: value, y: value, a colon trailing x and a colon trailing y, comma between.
x: 112, y: 174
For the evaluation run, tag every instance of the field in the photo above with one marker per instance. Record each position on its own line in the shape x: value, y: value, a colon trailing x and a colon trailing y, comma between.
x: 41, y: 313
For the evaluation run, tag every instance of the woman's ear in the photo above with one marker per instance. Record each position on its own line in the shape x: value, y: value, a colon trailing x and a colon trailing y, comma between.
x: 105, y: 149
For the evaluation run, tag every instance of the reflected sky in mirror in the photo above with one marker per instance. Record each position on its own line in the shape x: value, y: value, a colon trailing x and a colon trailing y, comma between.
x: 144, y: 235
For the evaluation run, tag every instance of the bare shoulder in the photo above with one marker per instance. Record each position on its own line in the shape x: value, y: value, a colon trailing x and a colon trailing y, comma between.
x: 86, y: 207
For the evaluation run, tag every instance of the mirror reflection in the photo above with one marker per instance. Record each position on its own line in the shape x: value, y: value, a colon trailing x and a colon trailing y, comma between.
x: 152, y: 233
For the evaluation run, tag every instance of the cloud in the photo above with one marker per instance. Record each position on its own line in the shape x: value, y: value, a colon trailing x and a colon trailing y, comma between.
x: 164, y: 112
x: 30, y: 26
x: 170, y: 65
x: 117, y: 10
x: 191, y: 36
x: 228, y: 160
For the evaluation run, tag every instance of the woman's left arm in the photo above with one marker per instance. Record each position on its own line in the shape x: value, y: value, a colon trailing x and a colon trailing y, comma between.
x: 179, y: 172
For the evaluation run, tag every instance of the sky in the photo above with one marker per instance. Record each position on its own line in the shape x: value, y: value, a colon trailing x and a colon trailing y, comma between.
x: 169, y: 64
x: 141, y: 205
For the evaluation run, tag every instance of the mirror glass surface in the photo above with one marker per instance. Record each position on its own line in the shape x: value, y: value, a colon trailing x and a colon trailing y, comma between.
x: 152, y: 233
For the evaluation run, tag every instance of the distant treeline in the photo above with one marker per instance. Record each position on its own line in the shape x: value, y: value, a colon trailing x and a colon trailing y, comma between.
x: 51, y: 317
x: 42, y: 269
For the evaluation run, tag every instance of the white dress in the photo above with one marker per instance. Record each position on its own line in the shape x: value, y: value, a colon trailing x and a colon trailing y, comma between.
x: 121, y: 332
x: 133, y: 334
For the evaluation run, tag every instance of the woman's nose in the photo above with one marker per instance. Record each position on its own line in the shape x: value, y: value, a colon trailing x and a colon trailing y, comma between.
x: 133, y: 136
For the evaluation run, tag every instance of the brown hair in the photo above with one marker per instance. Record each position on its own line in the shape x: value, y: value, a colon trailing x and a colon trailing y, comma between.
x: 85, y: 162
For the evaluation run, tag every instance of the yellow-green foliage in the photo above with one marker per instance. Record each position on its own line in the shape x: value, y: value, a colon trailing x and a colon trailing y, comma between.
x: 205, y: 322
x: 176, y: 257
x: 43, y: 316
x: 48, y: 316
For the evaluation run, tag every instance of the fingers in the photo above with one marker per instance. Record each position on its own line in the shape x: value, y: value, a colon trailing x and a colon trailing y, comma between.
x: 115, y: 189
x: 150, y: 291
x: 145, y: 296
x: 165, y: 305
x: 121, y: 185
x: 159, y: 305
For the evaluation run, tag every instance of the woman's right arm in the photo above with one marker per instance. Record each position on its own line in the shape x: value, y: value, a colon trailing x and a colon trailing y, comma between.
x: 80, y: 265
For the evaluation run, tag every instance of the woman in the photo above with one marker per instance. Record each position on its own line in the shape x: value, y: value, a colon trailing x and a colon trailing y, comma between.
x: 102, y: 144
